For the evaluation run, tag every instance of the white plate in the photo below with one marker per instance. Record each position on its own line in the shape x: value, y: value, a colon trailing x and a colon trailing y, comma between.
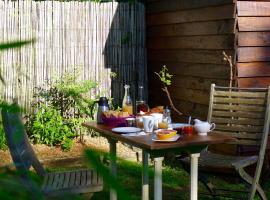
x: 173, y: 139
x: 178, y: 125
x: 126, y: 129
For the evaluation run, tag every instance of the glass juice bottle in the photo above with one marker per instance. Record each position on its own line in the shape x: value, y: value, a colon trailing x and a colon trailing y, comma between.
x: 140, y: 103
x: 127, y: 102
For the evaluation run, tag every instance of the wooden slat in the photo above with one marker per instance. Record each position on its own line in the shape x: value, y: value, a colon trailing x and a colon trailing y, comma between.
x: 210, y: 71
x: 247, y: 141
x: 89, y: 177
x: 191, y: 56
x: 249, y: 8
x: 66, y: 181
x: 94, y: 178
x: 55, y: 181
x: 254, y: 122
x: 83, y: 177
x: 248, y: 129
x: 252, y: 54
x: 77, y: 178
x: 253, y: 23
x: 51, y: 179
x: 72, y: 179
x: 192, y: 42
x: 240, y: 94
x: 46, y: 180
x: 172, y: 5
x: 240, y: 101
x: 254, y: 136
x: 193, y: 28
x: 254, y: 82
x: 192, y: 82
x: 254, y: 39
x: 186, y: 106
x: 202, y: 14
x: 191, y: 95
x: 238, y: 107
x: 238, y: 114
x: 190, y: 108
x: 253, y: 69
x: 149, y: 1
x: 61, y: 180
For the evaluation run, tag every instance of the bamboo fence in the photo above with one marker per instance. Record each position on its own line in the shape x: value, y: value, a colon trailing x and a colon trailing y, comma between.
x: 96, y: 38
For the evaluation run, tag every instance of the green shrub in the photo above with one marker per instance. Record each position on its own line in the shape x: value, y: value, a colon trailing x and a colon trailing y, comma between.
x: 59, y: 110
x: 3, y: 142
x: 47, y: 126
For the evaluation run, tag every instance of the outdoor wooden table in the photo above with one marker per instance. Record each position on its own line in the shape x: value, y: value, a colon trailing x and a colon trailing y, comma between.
x: 191, y: 144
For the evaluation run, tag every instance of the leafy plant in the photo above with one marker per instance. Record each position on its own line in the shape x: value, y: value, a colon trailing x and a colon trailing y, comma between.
x: 59, y: 111
x: 166, y: 78
x: 3, y: 142
x: 48, y: 127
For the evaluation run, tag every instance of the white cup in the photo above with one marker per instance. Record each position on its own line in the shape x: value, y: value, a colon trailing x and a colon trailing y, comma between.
x: 148, y: 123
x: 158, y: 118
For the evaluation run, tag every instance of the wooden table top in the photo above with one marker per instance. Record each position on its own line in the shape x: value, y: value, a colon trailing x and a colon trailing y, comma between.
x: 146, y: 142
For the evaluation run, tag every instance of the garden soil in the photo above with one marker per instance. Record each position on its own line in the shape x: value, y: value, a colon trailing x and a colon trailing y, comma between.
x: 54, y: 156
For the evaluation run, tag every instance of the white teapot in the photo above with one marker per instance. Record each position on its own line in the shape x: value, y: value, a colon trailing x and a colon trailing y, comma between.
x: 202, y: 127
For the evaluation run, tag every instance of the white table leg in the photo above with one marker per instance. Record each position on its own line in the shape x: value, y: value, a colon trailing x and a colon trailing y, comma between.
x: 113, y: 194
x: 145, y: 178
x: 158, y: 178
x: 194, y: 176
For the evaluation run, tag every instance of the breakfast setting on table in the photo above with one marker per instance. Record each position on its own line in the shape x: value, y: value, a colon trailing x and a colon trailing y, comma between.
x: 141, y: 120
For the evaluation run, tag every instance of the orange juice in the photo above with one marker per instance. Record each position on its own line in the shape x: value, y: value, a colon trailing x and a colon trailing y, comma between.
x: 128, y: 108
x: 163, y: 125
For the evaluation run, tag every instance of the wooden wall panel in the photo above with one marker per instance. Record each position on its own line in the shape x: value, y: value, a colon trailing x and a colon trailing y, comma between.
x: 253, y: 23
x: 189, y: 38
x: 191, y: 56
x: 251, y: 8
x: 253, y: 54
x: 226, y: 26
x: 253, y: 59
x: 253, y: 69
x: 199, y: 70
x: 253, y: 39
x: 254, y: 82
x: 173, y: 5
x: 184, y: 16
x: 192, y: 42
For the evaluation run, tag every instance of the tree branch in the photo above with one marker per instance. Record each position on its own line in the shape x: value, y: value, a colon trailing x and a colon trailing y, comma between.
x: 165, y: 89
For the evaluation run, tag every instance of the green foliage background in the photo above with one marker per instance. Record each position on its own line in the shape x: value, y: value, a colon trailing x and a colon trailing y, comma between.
x: 59, y: 109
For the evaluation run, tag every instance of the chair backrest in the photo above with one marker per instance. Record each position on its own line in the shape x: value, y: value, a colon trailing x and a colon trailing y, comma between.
x: 20, y: 149
x: 242, y: 113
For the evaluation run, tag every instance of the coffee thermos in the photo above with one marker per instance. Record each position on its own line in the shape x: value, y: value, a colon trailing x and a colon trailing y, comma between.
x: 102, y: 106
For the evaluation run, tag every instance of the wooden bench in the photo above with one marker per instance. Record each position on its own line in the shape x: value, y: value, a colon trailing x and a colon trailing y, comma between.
x: 55, y: 183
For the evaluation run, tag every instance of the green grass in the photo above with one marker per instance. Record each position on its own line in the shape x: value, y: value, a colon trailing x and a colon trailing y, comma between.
x: 175, y: 183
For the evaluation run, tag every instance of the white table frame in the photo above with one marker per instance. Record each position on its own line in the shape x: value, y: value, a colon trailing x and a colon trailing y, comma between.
x: 158, y: 174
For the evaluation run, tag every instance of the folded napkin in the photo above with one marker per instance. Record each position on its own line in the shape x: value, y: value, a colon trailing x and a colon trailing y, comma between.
x: 135, y: 134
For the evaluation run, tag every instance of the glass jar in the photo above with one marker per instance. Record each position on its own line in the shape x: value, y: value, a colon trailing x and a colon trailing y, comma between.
x: 167, y: 115
x: 127, y: 102
x: 141, y: 105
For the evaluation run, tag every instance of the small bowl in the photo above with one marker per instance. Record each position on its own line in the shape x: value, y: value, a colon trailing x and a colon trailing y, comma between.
x: 115, y: 121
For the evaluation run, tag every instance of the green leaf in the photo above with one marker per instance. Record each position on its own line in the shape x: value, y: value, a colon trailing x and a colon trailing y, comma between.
x: 15, y: 44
